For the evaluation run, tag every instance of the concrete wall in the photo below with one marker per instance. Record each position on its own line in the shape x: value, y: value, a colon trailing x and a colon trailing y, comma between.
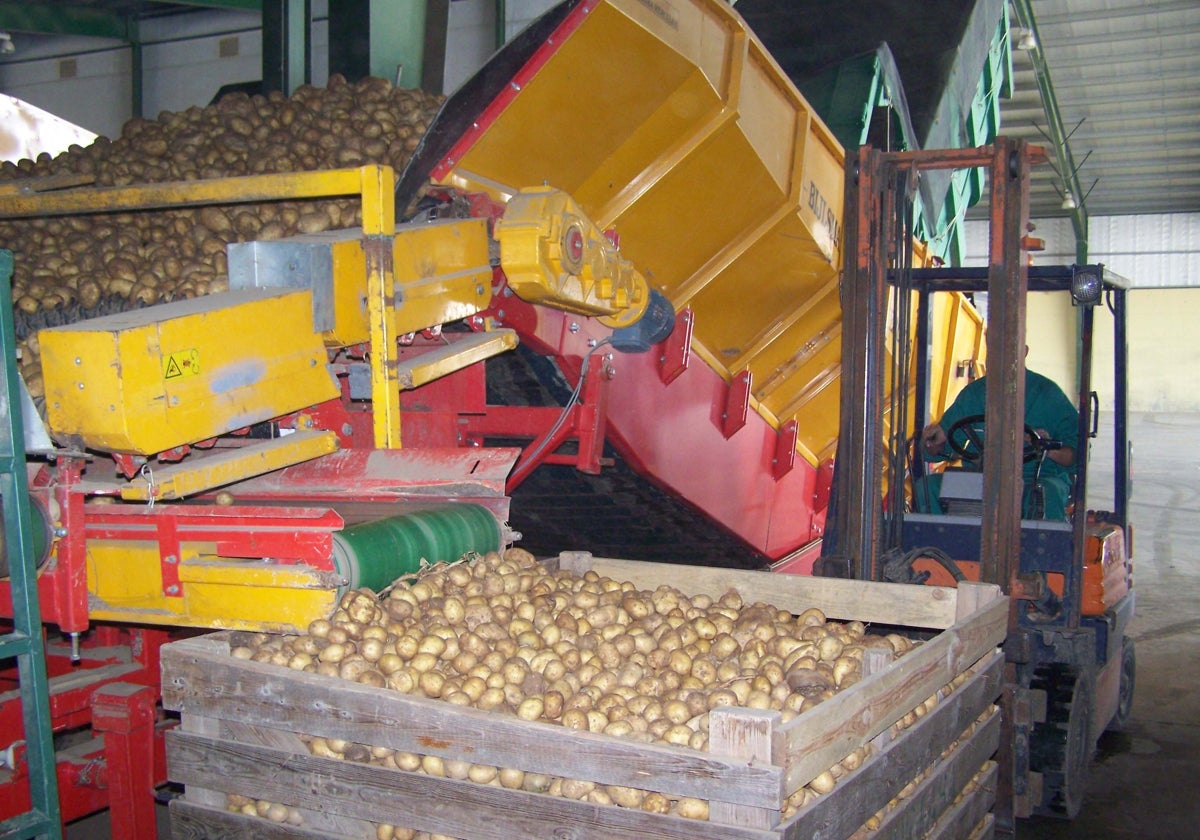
x: 186, y: 60
x: 472, y: 33
x: 1160, y: 255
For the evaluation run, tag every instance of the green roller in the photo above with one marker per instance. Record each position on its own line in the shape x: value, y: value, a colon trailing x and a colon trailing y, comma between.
x: 40, y: 531
x: 374, y: 554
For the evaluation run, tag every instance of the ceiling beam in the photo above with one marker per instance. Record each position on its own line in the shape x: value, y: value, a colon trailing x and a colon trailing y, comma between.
x: 1139, y: 9
x: 1059, y: 138
x: 237, y: 5
x: 62, y: 19
x: 69, y: 19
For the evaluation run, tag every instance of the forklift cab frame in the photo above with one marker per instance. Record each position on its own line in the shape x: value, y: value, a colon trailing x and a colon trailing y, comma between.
x: 1048, y: 548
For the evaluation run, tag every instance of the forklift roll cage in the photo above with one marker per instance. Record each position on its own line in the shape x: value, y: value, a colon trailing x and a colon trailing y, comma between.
x: 1046, y: 547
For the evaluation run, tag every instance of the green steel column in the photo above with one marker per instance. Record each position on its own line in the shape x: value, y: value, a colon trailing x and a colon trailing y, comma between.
x: 287, y: 48
x: 1057, y: 131
x: 25, y: 642
x: 136, y: 69
x: 378, y: 38
x: 501, y: 23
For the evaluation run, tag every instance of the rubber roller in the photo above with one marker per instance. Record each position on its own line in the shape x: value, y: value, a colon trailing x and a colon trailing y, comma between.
x: 40, y: 532
x: 374, y: 554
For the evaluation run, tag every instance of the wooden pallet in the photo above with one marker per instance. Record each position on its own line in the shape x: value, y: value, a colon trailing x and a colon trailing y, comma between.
x: 242, y: 722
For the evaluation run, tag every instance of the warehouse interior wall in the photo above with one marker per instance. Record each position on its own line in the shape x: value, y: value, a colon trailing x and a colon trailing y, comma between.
x: 1160, y: 256
x: 188, y: 58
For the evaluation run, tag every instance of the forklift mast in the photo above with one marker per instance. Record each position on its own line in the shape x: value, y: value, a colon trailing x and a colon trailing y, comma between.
x: 877, y: 214
x: 1066, y: 649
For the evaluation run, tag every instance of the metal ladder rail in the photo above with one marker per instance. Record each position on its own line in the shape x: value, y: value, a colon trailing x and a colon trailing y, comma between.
x: 25, y: 642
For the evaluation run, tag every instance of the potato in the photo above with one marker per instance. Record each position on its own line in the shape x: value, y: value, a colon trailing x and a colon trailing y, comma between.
x: 624, y: 663
x: 692, y: 809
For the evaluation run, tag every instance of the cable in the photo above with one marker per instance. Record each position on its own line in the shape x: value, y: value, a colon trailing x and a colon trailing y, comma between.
x: 536, y: 451
x: 898, y: 568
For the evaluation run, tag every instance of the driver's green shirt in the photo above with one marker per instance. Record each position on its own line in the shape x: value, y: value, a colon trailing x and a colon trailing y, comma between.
x: 1046, y: 407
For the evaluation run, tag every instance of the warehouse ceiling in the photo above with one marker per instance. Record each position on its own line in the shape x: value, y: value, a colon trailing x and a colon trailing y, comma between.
x: 1126, y: 77
x: 1122, y: 73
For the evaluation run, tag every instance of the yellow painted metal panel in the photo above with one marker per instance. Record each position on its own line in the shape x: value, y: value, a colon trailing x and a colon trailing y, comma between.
x: 767, y: 116
x: 250, y: 188
x: 125, y: 584
x: 671, y: 123
x: 206, y: 470
x: 705, y: 203
x: 425, y: 368
x: 442, y: 274
x: 589, y: 100
x: 963, y: 354
x: 682, y: 119
x: 149, y: 380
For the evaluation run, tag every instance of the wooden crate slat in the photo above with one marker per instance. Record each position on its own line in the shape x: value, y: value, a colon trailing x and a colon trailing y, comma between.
x: 460, y: 809
x: 918, y: 813
x: 826, y: 733
x: 211, y: 727
x: 748, y: 734
x: 190, y: 821
x: 200, y: 679
x: 242, y: 721
x: 966, y: 817
x: 986, y: 830
x: 845, y: 600
x: 882, y: 775
x: 246, y: 733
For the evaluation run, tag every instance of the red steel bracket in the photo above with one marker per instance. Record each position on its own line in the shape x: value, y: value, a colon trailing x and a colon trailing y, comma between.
x: 737, y: 404
x: 824, y: 488
x: 676, y: 348
x: 592, y: 414
x: 169, y: 550
x: 785, y: 449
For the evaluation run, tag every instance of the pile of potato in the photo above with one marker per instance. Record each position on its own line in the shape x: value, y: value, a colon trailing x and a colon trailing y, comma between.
x: 876, y: 820
x: 502, y: 633
x: 68, y: 268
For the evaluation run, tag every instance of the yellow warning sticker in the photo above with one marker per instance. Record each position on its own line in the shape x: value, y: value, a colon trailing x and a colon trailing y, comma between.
x: 183, y: 363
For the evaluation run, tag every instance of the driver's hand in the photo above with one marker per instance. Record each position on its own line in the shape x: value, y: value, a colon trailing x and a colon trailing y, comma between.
x: 933, y: 439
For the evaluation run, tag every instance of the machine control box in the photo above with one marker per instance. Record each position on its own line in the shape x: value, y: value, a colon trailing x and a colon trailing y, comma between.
x: 149, y: 380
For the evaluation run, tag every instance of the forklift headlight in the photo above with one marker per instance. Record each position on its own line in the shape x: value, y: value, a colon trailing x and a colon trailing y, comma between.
x: 1085, y: 286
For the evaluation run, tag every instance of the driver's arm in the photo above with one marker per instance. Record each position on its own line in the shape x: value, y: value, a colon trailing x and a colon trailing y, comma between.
x: 933, y: 441
x: 1063, y: 456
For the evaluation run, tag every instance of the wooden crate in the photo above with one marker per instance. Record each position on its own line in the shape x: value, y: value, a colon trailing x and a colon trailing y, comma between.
x: 242, y: 722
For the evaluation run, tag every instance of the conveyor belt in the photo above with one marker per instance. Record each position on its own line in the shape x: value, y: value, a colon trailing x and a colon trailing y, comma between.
x: 616, y: 514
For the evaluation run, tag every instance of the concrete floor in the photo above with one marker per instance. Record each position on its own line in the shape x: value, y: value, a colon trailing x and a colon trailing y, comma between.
x: 1143, y: 782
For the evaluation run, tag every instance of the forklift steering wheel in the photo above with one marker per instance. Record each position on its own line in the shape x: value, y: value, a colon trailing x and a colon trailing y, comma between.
x: 966, y: 439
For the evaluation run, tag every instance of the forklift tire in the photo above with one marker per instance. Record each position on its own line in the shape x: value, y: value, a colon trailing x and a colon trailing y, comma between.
x: 1061, y: 747
x: 1120, y: 720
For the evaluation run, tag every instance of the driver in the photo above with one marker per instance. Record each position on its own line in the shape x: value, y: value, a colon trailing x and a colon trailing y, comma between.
x: 1048, y: 412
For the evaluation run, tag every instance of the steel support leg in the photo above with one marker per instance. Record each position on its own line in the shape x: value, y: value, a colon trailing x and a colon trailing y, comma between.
x: 125, y: 715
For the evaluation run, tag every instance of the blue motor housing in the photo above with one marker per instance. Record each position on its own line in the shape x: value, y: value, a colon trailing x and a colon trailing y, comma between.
x: 654, y: 326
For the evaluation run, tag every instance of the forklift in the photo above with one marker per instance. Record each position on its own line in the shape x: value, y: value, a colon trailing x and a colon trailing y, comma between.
x: 1070, y: 666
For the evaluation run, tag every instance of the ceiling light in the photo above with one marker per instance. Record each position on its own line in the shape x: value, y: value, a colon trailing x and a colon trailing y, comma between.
x: 1022, y: 38
x: 1069, y: 202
